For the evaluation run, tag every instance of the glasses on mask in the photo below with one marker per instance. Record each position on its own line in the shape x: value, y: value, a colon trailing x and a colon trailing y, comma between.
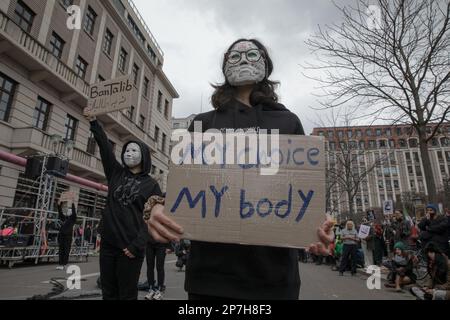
x: 252, y: 55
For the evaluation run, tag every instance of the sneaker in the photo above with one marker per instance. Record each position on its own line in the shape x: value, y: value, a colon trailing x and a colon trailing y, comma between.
x: 158, y: 295
x: 150, y: 295
x: 60, y: 268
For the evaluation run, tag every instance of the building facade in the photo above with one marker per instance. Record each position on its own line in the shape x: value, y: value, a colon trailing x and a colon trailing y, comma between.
x: 384, y: 160
x: 46, y: 69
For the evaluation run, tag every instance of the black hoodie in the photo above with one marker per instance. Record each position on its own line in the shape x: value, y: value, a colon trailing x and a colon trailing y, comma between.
x: 66, y: 229
x: 240, y: 271
x: 123, y: 226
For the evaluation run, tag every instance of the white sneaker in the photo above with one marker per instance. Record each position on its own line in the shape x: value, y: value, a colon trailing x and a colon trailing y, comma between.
x: 60, y: 268
x: 150, y: 295
x: 158, y: 295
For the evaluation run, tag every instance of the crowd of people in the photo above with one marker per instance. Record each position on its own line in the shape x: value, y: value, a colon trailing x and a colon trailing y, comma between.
x: 396, y: 244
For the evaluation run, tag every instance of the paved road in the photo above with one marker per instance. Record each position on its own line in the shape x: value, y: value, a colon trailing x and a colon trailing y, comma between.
x: 318, y: 283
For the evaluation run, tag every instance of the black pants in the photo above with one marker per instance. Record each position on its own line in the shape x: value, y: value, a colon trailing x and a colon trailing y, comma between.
x: 348, y: 256
x: 65, y: 243
x: 119, y: 275
x: 158, y: 253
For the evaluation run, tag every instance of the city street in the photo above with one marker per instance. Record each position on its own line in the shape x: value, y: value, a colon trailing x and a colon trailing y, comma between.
x: 318, y: 283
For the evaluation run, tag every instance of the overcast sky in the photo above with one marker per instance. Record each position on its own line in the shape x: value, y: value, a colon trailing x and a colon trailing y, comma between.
x: 194, y: 35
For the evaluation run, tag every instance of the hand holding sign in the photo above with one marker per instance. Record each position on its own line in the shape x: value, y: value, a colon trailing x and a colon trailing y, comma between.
x: 162, y: 228
x: 87, y: 114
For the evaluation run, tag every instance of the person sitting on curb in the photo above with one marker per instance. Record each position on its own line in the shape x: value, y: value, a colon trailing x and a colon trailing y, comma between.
x: 438, y: 287
x: 401, y: 268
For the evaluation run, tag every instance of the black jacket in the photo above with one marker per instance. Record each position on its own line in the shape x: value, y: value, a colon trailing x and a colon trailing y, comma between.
x: 436, y: 231
x: 66, y: 229
x: 239, y: 271
x: 123, y: 226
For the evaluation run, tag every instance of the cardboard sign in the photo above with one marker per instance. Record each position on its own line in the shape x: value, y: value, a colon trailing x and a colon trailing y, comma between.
x: 363, y: 231
x: 67, y: 196
x: 110, y: 95
x: 388, y: 207
x: 371, y: 215
x: 234, y: 203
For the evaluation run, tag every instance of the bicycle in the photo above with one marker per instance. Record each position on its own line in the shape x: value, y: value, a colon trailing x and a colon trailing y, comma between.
x: 420, y: 261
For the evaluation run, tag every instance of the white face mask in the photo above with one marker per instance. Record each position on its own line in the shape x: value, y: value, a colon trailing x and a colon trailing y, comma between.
x: 245, y: 64
x: 132, y: 156
x: 69, y: 212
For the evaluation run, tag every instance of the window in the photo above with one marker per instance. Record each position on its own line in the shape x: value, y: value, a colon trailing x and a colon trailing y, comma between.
x: 91, y: 145
x: 402, y: 143
x: 23, y: 16
x: 396, y: 185
x: 151, y: 52
x: 382, y: 144
x: 321, y: 133
x: 107, y: 44
x: 7, y: 88
x: 130, y: 113
x: 89, y: 21
x: 56, y: 45
x: 352, y: 145
x: 392, y: 144
x: 399, y: 131
x: 368, y: 132
x: 362, y: 144
x: 340, y: 134
x: 349, y: 134
x: 135, y: 74
x: 372, y: 144
x: 416, y: 156
x: 81, y: 67
x: 66, y: 3
x: 445, y: 142
x: 332, y: 146
x: 410, y: 170
x: 418, y: 171
x: 447, y: 155
x: 41, y: 114
x: 160, y: 96
x: 413, y: 143
x: 156, y: 134
x: 408, y: 156
x: 330, y: 134
x: 163, y: 145
x: 166, y: 109
x: 388, y: 132
x: 123, y: 60
x: 135, y: 29
x: 378, y: 132
x: 434, y: 142
x: 145, y: 88
x: 141, y: 121
x: 153, y: 170
x: 71, y: 126
x: 359, y: 133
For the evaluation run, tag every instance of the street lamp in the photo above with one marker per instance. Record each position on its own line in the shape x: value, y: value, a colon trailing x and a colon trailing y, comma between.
x: 55, y: 139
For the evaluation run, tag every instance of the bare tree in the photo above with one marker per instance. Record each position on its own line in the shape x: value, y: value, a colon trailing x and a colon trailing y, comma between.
x: 346, y: 173
x: 392, y: 61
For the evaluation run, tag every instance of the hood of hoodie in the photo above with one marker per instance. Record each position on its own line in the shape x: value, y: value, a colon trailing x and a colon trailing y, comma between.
x: 146, y: 157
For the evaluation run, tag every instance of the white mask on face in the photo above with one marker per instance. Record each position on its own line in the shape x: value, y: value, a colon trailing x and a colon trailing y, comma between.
x: 132, y: 156
x: 69, y: 212
x: 247, y: 70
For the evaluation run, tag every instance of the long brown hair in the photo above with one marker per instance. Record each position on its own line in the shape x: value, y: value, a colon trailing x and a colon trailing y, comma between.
x: 263, y: 92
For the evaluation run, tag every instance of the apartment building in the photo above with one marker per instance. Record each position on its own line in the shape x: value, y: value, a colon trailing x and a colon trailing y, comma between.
x: 390, y: 156
x: 46, y: 69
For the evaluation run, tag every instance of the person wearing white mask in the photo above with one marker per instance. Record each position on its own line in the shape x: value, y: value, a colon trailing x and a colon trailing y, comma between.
x: 124, y: 231
x: 68, y: 217
x: 245, y: 101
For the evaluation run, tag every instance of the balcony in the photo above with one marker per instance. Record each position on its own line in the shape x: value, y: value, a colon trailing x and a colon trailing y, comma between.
x: 26, y: 50
x: 28, y: 141
x: 44, y: 66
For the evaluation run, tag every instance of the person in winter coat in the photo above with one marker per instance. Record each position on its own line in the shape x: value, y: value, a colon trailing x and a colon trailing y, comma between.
x: 124, y: 232
x: 434, y: 228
